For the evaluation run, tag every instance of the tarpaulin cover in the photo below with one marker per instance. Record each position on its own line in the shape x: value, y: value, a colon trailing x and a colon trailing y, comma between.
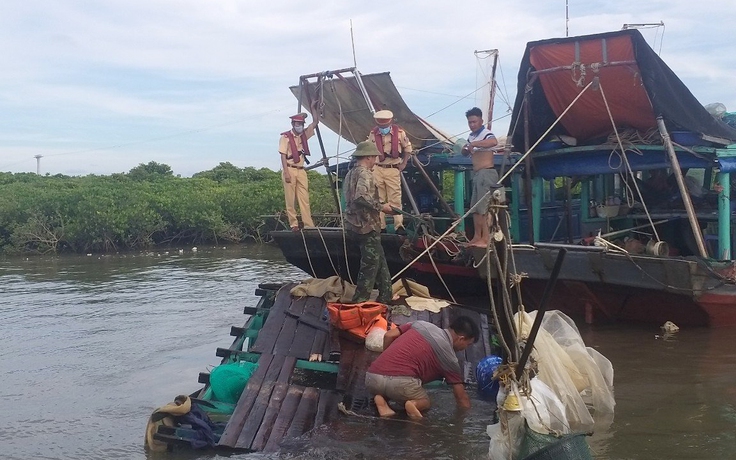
x: 343, y: 96
x: 637, y: 85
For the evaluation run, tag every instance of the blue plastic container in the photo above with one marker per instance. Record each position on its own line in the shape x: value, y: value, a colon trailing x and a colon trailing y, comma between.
x: 484, y: 375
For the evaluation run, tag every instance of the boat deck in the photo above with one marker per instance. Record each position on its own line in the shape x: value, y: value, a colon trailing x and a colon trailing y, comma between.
x: 288, y: 395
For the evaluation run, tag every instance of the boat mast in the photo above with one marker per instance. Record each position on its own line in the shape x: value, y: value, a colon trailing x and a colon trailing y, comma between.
x: 483, y: 54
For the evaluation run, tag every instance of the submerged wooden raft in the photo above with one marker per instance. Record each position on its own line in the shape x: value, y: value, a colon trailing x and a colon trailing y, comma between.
x: 288, y: 395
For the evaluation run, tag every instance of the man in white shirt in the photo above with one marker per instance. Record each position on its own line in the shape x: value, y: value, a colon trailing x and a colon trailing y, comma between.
x: 481, y: 142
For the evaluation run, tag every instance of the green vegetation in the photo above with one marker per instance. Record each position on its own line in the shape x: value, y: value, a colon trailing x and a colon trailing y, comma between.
x: 147, y: 206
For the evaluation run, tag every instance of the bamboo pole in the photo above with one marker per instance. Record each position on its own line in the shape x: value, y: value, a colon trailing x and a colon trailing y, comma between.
x: 683, y: 188
x: 303, y: 83
x: 540, y: 310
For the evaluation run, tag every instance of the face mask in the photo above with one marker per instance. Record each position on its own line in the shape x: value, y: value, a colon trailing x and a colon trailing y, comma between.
x: 384, y: 131
x: 298, y: 129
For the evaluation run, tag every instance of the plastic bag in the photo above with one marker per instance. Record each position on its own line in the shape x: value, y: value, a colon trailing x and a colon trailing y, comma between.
x: 716, y: 109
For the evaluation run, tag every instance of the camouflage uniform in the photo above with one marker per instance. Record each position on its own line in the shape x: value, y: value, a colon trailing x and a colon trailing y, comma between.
x: 362, y: 217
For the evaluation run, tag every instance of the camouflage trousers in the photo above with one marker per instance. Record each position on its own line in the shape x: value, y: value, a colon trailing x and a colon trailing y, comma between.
x: 373, y: 269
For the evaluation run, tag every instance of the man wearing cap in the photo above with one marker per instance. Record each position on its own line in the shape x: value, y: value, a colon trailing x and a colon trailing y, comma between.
x: 480, y: 148
x: 394, y: 150
x: 362, y: 218
x: 294, y: 149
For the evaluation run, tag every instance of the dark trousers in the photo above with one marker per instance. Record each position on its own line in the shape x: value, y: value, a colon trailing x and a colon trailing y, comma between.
x: 373, y: 270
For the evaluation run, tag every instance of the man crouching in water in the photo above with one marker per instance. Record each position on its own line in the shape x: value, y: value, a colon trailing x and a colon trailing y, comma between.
x: 417, y: 353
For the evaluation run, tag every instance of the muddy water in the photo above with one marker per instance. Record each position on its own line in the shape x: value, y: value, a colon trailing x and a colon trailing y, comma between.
x: 89, y: 346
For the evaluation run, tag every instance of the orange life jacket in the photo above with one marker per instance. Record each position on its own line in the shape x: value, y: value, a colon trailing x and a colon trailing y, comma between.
x: 394, y: 142
x: 358, y: 319
x: 295, y: 154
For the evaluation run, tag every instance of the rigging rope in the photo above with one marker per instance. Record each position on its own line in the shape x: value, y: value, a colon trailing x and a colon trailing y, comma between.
x: 626, y: 162
x: 337, y: 174
x: 520, y: 161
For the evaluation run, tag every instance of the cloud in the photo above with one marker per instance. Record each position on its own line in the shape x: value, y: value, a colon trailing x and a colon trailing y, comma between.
x: 194, y: 83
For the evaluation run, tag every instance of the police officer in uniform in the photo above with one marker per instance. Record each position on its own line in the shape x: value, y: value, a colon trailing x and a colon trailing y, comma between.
x: 394, y: 150
x: 293, y: 149
x: 362, y: 218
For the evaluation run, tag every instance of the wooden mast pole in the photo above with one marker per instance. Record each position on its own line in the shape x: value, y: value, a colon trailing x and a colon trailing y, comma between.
x: 683, y: 187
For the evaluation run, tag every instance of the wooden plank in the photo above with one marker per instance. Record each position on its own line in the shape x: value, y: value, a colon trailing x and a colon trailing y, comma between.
x: 318, y: 345
x: 255, y: 415
x: 303, y: 420
x: 285, y: 337
x: 283, y: 420
x: 327, y: 350
x: 288, y: 329
x: 436, y: 319
x: 269, y: 333
x: 272, y: 412
x: 327, y: 407
x: 333, y: 346
x: 304, y: 337
x: 347, y: 353
x: 446, y: 315
x: 358, y: 396
x: 286, y: 369
x: 245, y: 403
x: 296, y: 307
x: 310, y: 327
x: 314, y: 307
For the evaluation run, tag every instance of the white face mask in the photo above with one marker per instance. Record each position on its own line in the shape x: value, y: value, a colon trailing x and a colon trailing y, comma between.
x: 299, y: 129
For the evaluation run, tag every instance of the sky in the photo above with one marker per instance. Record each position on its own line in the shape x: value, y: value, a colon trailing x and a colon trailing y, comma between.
x: 98, y: 87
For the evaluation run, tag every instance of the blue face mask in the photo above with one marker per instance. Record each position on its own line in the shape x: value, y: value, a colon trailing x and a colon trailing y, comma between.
x: 384, y: 131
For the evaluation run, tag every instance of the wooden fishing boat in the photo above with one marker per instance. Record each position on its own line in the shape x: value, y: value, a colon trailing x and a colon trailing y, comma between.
x: 594, y: 116
x: 303, y: 370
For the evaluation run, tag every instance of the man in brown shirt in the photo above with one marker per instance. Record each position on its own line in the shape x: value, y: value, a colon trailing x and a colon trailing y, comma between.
x: 394, y: 150
x: 293, y: 149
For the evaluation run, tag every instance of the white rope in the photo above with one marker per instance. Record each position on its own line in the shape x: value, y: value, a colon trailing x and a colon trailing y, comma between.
x: 327, y: 251
x: 337, y: 175
x: 439, y: 275
x: 306, y: 250
x: 626, y: 162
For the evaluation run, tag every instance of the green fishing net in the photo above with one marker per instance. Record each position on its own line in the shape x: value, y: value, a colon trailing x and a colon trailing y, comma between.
x: 227, y: 381
x: 537, y: 446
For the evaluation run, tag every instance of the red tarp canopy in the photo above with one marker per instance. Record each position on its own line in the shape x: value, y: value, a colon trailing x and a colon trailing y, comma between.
x: 637, y: 84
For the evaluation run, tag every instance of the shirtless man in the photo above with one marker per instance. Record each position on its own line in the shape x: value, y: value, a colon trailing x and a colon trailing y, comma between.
x: 480, y: 148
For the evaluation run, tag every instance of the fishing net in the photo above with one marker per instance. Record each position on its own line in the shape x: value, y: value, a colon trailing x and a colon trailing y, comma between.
x: 227, y: 381
x: 579, y: 376
x: 572, y: 383
x: 537, y: 446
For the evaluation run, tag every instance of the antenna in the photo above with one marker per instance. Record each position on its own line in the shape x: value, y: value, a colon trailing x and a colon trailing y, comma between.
x: 38, y: 163
x: 644, y: 25
x: 567, y: 19
x: 352, y: 42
